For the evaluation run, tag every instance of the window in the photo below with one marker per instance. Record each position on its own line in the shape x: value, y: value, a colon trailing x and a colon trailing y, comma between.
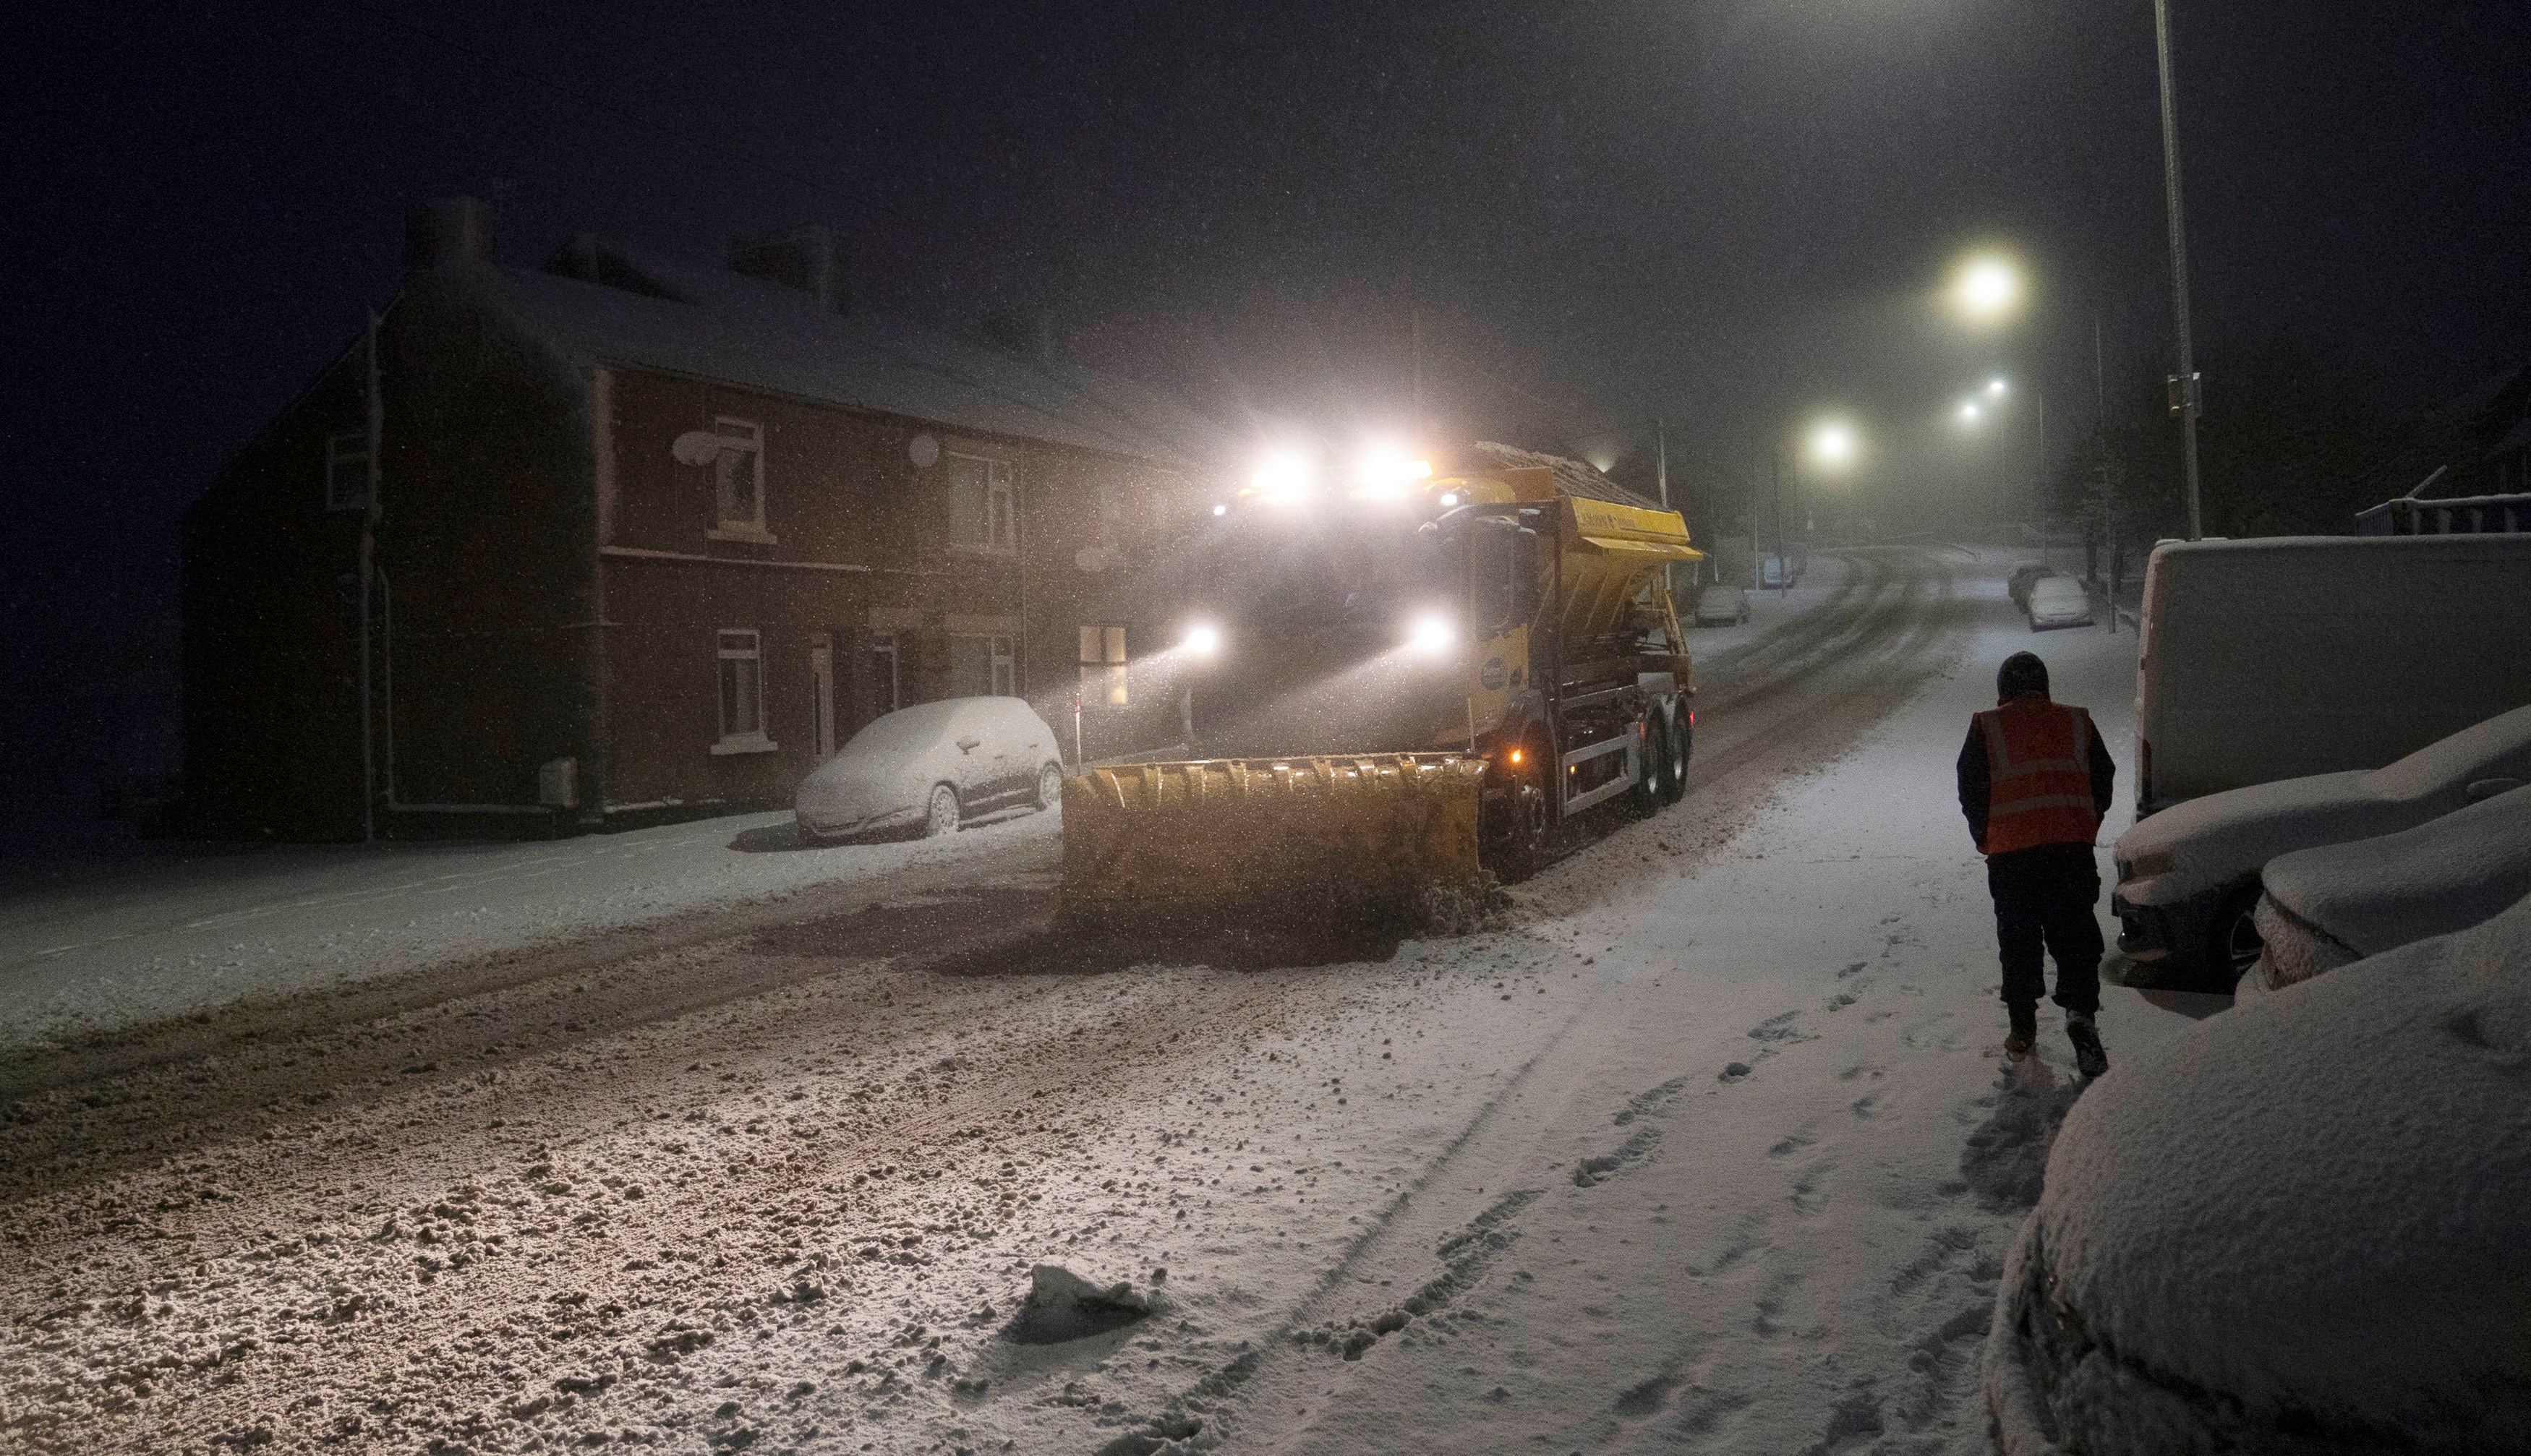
x: 741, y: 692
x: 347, y: 471
x: 738, y: 476
x: 1103, y: 664
x: 983, y: 514
x: 980, y: 667
x: 885, y: 692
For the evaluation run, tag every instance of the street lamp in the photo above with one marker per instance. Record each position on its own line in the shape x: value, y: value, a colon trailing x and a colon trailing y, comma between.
x: 1833, y: 445
x: 1986, y: 290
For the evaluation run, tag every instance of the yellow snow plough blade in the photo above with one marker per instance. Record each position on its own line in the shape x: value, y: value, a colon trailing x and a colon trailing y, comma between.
x: 1352, y: 836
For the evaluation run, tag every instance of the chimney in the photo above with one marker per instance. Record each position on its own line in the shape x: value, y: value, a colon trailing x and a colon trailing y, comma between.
x: 808, y: 258
x: 447, y: 230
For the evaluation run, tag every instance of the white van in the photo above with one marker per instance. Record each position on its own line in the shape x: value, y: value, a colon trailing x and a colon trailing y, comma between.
x: 2270, y: 659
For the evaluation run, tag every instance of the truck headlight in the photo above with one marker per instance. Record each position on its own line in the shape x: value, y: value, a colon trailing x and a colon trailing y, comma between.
x: 1432, y: 635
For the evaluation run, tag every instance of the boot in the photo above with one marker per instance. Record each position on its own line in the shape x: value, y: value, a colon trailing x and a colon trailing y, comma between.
x: 2025, y: 1030
x: 2090, y: 1058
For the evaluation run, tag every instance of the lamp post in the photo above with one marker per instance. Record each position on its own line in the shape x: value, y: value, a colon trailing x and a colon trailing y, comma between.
x: 1831, y: 450
x: 2185, y: 400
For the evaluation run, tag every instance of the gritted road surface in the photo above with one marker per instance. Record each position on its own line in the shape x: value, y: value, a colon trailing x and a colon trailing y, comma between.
x: 774, y: 1178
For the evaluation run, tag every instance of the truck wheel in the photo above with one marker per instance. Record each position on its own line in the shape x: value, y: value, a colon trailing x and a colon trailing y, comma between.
x: 1644, y: 799
x: 1519, y: 842
x: 1674, y: 778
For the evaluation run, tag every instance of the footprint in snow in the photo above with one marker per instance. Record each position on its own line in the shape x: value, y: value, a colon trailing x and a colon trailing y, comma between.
x: 1645, y: 1398
x: 1778, y: 1028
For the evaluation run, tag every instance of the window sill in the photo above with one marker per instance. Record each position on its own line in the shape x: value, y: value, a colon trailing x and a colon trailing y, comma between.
x: 752, y: 534
x: 753, y: 743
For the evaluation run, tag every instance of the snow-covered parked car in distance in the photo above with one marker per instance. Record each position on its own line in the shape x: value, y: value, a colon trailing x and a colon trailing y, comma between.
x: 1721, y: 605
x: 2023, y: 576
x: 2330, y: 907
x: 931, y: 767
x: 2188, y: 878
x: 2336, y: 1259
x: 2059, y: 601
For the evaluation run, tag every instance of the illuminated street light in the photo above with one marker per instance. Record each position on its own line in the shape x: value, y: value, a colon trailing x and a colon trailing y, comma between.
x: 1832, y: 445
x: 1969, y: 412
x: 1202, y: 639
x: 1994, y: 386
x: 1985, y: 289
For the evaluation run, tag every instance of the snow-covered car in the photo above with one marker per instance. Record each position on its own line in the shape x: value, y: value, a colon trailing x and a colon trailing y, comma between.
x: 2188, y: 878
x: 2018, y: 587
x: 1721, y: 605
x: 931, y: 767
x: 2339, y: 1260
x: 2059, y: 601
x: 2330, y: 907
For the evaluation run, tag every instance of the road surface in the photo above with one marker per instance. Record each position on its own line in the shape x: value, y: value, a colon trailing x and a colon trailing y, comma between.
x: 1710, y: 1147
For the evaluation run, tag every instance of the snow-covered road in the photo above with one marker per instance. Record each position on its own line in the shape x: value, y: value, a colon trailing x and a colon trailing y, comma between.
x: 1711, y: 1148
x: 166, y: 928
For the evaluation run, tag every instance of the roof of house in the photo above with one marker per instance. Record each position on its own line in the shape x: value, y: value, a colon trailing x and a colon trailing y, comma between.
x: 700, y: 319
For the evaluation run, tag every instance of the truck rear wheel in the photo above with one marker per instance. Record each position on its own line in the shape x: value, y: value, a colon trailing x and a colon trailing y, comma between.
x: 1675, y: 751
x: 1644, y: 799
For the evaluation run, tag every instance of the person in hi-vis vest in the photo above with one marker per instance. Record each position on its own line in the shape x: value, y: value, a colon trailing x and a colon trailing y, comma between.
x: 2035, y: 784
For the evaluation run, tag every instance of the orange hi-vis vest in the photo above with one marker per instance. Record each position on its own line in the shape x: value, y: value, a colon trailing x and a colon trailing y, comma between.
x: 2038, y: 776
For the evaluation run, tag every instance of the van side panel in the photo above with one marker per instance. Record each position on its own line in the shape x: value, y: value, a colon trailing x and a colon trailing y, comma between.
x: 2269, y: 659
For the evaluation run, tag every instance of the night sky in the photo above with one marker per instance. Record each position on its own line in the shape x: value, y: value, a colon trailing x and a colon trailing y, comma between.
x: 1728, y: 214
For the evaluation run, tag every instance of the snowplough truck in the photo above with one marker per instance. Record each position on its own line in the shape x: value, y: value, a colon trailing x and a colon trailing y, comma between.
x: 1395, y: 680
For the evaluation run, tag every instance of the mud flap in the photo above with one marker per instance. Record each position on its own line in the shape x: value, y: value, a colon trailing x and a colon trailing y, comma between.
x: 1359, y: 837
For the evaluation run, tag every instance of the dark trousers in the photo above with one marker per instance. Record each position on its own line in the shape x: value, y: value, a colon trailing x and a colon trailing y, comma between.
x: 2045, y: 894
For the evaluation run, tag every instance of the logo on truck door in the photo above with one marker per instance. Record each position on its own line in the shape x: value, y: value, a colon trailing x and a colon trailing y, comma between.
x: 1492, y: 674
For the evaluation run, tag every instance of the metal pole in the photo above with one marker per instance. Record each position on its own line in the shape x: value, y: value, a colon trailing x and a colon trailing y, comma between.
x: 2038, y: 472
x: 369, y: 579
x: 2100, y: 380
x: 1776, y: 509
x: 2188, y: 398
x: 1661, y: 439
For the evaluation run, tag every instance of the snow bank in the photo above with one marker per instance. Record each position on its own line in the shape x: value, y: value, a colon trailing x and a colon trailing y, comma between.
x: 2341, y: 902
x: 2301, y: 1226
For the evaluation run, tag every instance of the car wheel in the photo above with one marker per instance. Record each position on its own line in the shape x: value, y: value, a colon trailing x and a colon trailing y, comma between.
x: 1049, y: 786
x: 944, y: 815
x: 2234, y: 944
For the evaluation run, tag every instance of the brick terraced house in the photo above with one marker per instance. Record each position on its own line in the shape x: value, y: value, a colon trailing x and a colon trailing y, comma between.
x: 630, y: 537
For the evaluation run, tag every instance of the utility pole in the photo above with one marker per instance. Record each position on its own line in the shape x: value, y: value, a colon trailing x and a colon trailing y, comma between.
x: 2186, y: 397
x: 368, y: 581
